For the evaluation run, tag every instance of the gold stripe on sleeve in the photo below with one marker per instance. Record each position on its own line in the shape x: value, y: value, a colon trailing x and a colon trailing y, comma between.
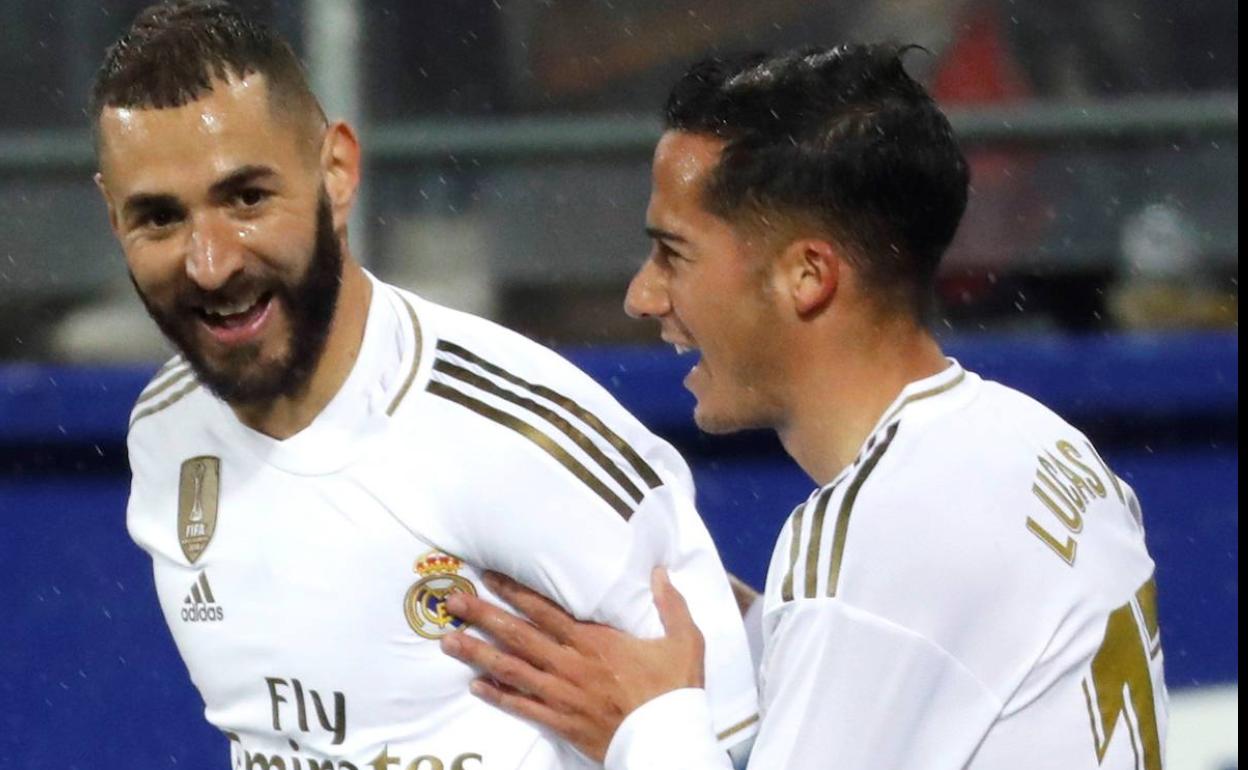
x: 795, y: 547
x: 537, y: 437
x: 816, y: 535
x: 738, y: 727
x: 847, y: 505
x: 642, y: 468
x: 155, y: 390
x: 547, y: 414
x: 171, y: 363
x: 168, y: 402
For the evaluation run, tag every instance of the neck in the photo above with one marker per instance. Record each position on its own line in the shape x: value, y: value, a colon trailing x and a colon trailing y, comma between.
x: 841, y: 392
x: 288, y: 415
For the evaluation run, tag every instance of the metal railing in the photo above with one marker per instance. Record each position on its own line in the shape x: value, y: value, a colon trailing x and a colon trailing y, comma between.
x: 1212, y: 116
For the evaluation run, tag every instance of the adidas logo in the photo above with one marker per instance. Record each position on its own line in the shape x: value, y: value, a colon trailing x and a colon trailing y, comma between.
x: 200, y: 606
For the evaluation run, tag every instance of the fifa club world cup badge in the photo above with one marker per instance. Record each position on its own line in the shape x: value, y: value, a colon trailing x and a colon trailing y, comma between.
x: 198, y: 491
x: 425, y: 602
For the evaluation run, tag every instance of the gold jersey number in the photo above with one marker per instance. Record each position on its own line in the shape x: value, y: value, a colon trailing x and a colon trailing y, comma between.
x: 1121, y: 684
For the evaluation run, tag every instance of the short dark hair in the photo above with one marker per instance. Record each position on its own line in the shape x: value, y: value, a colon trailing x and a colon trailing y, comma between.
x: 174, y: 51
x: 841, y: 135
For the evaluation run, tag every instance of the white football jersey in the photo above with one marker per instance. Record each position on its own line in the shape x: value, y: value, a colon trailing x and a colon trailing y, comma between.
x: 972, y: 592
x: 304, y: 580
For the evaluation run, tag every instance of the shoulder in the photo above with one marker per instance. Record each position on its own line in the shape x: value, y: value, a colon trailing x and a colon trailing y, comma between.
x: 518, y: 411
x: 165, y: 443
x: 173, y: 380
x: 810, y: 557
x: 461, y: 342
x: 932, y: 514
x: 164, y: 405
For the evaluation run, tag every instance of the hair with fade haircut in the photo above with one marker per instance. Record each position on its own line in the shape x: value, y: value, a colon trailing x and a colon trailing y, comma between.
x: 841, y: 137
x: 174, y: 51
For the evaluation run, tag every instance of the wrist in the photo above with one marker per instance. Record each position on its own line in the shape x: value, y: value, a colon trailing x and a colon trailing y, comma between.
x: 671, y: 730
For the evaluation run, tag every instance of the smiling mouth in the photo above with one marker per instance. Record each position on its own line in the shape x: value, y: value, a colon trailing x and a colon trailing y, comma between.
x: 681, y: 348
x: 688, y: 354
x: 228, y: 315
x: 237, y: 321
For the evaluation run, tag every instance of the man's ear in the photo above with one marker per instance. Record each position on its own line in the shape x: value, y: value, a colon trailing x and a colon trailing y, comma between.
x: 810, y: 272
x: 108, y: 202
x: 340, y: 167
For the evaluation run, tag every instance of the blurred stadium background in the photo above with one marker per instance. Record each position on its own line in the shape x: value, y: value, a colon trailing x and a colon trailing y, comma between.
x: 507, y: 146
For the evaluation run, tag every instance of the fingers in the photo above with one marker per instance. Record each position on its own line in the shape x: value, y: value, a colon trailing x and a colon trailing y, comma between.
x: 544, y: 613
x: 515, y: 702
x: 514, y: 672
x: 512, y: 633
x: 683, y: 642
x: 673, y: 609
x: 573, y: 727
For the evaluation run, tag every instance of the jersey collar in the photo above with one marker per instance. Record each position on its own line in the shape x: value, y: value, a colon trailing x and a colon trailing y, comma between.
x: 919, y: 394
x: 335, y: 436
x: 925, y: 389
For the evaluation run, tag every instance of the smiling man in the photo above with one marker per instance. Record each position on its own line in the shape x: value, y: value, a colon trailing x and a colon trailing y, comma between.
x: 969, y: 585
x: 329, y: 458
x: 255, y: 332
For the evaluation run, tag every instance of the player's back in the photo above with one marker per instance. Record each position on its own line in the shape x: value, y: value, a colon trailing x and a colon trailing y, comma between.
x: 1093, y: 695
x: 994, y: 571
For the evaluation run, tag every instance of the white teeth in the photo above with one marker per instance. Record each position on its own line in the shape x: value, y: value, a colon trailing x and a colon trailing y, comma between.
x: 231, y: 309
x: 681, y: 349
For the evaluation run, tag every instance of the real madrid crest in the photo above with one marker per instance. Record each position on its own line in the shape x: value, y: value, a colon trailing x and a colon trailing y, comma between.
x: 425, y: 602
x: 198, y: 491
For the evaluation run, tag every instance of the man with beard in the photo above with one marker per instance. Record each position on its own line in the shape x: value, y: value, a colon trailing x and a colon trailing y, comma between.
x: 329, y: 458
x: 969, y: 587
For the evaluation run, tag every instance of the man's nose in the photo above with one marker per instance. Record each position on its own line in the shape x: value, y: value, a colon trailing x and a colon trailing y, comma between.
x: 214, y: 252
x: 647, y: 293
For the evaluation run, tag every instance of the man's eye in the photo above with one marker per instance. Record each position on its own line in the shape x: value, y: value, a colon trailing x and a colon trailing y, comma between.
x: 252, y: 196
x: 159, y: 218
x: 667, y: 253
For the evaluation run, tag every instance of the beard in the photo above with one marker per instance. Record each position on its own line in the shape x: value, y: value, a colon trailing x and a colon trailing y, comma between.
x: 243, y: 375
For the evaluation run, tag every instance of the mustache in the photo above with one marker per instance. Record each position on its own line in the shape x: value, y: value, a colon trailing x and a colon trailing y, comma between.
x: 238, y: 286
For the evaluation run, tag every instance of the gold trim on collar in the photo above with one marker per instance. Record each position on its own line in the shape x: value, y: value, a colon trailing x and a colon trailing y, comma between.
x: 936, y: 391
x: 418, y: 347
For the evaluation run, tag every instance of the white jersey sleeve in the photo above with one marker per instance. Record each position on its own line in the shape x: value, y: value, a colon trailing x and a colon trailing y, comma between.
x: 856, y: 687
x: 832, y: 657
x: 569, y: 494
